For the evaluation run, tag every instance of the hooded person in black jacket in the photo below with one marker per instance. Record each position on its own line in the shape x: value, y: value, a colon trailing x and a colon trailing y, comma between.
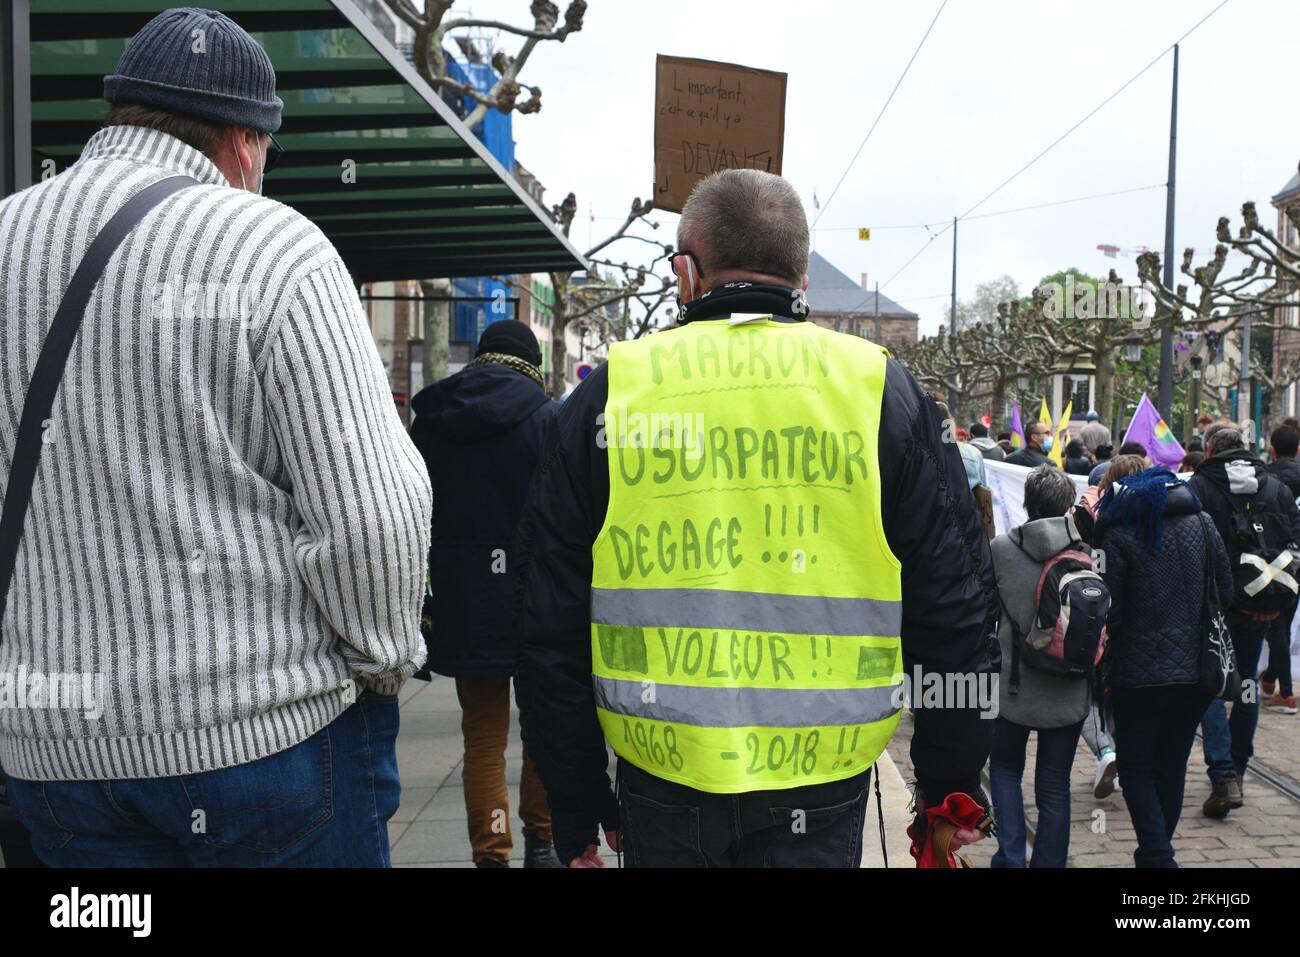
x: 1275, y: 680
x: 480, y: 432
x: 1228, y: 481
x: 949, y: 603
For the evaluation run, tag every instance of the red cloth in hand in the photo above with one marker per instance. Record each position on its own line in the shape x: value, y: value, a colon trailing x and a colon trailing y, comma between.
x: 959, y: 809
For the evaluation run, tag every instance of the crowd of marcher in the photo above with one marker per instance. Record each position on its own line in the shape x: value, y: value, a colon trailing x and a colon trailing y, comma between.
x: 1182, y: 558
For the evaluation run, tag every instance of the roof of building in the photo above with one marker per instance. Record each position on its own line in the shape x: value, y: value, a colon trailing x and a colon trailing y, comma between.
x: 428, y: 199
x: 829, y: 290
x: 1290, y: 191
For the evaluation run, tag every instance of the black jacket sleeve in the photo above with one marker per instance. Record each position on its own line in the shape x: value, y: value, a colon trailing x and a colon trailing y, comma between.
x: 563, y: 516
x: 950, y: 608
x: 1286, y: 504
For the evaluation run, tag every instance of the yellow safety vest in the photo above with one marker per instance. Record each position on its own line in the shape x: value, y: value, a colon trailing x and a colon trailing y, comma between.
x: 745, y: 605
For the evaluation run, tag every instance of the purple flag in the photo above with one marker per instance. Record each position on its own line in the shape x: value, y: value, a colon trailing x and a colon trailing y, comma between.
x: 1017, y: 429
x: 1148, y: 428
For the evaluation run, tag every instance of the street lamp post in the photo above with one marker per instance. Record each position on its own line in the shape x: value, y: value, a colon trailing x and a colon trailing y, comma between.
x: 1166, y: 389
x: 1195, y: 411
x: 1133, y: 348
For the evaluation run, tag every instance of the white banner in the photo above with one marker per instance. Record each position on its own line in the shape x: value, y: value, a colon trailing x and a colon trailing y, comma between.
x: 1007, y: 482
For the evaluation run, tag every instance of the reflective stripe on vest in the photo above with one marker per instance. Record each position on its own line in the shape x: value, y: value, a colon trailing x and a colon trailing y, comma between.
x: 745, y: 605
x: 707, y: 608
x: 746, y: 707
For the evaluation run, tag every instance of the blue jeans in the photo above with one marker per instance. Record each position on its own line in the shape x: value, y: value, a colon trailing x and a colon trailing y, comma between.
x: 1230, y: 741
x: 324, y: 802
x: 1056, y: 749
x: 1155, y: 729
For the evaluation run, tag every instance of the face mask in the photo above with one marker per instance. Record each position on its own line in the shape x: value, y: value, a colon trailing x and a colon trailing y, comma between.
x: 1047, y: 444
x: 684, y: 286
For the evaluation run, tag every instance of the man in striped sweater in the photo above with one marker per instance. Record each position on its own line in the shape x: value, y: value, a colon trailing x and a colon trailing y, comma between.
x: 223, y: 560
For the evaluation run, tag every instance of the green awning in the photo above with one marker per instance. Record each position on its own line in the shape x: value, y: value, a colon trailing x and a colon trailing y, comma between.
x: 428, y: 199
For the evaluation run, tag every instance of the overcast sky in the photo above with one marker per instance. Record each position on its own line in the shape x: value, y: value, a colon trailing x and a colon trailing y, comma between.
x: 996, y: 82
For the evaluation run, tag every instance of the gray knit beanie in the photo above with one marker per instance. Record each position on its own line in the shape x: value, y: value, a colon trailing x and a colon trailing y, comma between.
x: 200, y: 63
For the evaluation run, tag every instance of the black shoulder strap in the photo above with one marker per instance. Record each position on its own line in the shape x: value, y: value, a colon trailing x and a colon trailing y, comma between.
x: 1016, y: 635
x: 44, y: 385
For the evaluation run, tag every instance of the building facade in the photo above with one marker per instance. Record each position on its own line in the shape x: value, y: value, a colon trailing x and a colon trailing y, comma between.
x: 839, y: 303
x: 1286, y: 342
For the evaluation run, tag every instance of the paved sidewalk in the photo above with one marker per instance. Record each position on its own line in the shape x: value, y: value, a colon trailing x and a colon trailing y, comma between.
x: 1264, y: 833
x: 429, y: 828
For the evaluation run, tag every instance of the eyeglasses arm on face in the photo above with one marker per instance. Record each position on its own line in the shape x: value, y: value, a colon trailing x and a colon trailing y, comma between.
x: 674, y: 256
x: 274, y: 153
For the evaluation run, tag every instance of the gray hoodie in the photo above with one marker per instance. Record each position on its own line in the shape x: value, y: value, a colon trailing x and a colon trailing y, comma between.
x: 1044, y: 701
x: 988, y: 448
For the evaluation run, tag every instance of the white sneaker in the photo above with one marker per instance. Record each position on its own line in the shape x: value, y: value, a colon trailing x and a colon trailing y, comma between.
x: 1103, y: 781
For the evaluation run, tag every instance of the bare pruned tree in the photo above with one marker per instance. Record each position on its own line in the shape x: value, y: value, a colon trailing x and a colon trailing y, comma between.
x: 1261, y: 291
x: 433, y: 28
x: 984, y: 360
x: 1269, y: 277
x: 615, y: 300
x: 1097, y: 334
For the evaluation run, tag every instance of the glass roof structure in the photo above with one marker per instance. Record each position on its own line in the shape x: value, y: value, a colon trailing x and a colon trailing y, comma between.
x: 373, y: 155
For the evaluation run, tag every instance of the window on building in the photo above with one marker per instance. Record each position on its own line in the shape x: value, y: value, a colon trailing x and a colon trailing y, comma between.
x: 1075, y: 389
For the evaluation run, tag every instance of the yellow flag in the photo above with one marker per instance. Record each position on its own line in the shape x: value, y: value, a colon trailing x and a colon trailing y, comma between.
x: 1062, y: 434
x: 1045, y: 416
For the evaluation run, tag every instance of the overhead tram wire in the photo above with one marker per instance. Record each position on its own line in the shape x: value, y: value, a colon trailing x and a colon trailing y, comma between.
x: 1087, y: 116
x: 879, y: 115
x: 1000, y: 212
x: 1063, y: 202
x: 1056, y: 142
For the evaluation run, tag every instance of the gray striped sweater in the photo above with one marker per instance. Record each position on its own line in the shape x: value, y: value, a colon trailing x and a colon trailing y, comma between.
x: 228, y: 531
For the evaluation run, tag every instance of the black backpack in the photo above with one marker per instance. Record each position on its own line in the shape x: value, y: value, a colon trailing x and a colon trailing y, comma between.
x: 1265, y: 577
x: 1068, y: 633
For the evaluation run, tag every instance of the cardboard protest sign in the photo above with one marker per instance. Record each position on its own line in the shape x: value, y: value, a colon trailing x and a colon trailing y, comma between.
x: 713, y: 116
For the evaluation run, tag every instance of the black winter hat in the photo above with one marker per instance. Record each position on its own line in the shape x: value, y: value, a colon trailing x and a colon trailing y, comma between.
x: 199, y: 63
x: 512, y: 338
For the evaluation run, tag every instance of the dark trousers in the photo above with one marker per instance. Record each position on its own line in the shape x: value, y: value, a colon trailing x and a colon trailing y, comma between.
x: 1279, y: 653
x: 670, y: 825
x: 1055, y: 757
x: 1154, y: 732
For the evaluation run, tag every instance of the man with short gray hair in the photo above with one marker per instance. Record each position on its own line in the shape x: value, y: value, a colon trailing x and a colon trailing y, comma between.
x: 746, y: 485
x: 747, y: 225
x: 1222, y: 438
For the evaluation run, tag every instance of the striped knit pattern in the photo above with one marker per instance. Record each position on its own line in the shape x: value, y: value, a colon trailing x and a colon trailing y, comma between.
x: 230, y: 525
